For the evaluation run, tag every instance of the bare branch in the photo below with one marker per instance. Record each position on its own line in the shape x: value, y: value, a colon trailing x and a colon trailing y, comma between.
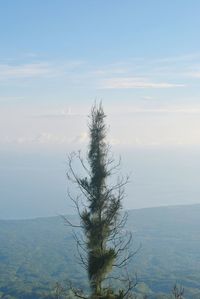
x: 78, y: 293
x: 105, y: 241
x: 178, y: 292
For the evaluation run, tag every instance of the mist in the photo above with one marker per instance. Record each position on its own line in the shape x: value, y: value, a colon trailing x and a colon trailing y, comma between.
x: 34, y: 184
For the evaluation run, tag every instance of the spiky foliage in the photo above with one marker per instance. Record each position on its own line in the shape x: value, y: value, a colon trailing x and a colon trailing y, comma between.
x: 100, y: 218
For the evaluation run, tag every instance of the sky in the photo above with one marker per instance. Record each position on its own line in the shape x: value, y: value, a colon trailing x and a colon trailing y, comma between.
x: 140, y: 58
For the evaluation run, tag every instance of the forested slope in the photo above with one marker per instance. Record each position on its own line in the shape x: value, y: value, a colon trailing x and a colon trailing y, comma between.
x: 36, y: 253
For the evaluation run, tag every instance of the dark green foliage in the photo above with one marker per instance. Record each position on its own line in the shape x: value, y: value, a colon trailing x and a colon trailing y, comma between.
x: 99, y: 220
x: 101, y: 260
x: 100, y: 216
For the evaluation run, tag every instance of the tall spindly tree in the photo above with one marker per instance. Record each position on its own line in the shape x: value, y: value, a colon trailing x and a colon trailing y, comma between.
x: 104, y: 245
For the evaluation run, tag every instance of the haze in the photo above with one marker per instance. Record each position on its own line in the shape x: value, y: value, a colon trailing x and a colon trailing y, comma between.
x: 141, y: 59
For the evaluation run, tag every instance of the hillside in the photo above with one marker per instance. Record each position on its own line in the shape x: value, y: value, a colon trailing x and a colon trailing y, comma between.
x: 36, y: 253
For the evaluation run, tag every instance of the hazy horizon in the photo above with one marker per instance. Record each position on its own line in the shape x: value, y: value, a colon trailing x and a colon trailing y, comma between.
x: 141, y: 58
x: 35, y: 184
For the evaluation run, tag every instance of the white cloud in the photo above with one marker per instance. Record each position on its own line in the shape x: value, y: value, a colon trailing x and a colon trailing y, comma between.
x: 24, y: 71
x: 46, y: 137
x: 82, y: 138
x: 62, y: 113
x: 194, y: 74
x: 39, y: 69
x: 171, y: 109
x: 132, y: 83
x: 119, y: 75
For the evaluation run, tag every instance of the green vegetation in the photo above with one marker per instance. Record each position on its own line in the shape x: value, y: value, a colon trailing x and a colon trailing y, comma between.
x: 105, y: 242
x: 35, y: 254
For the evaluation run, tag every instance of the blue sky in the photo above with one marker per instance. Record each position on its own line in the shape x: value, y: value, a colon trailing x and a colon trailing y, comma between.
x: 99, y: 31
x: 141, y: 58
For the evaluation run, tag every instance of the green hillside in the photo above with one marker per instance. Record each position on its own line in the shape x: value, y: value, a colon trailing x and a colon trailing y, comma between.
x: 35, y: 254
